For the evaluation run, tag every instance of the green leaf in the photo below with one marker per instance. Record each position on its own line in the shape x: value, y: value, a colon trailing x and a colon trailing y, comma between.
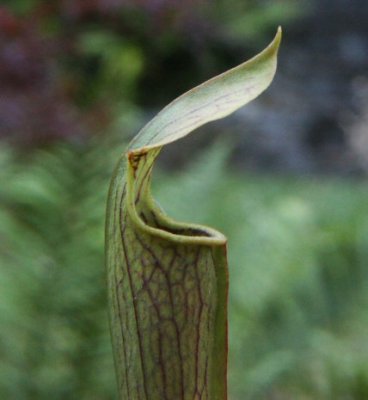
x: 168, y: 281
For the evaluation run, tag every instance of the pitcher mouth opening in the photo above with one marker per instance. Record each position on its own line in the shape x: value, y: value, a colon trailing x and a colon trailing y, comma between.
x: 158, y: 223
x: 148, y: 215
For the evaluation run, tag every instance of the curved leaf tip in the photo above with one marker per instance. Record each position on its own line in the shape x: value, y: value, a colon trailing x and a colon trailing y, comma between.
x: 214, y: 99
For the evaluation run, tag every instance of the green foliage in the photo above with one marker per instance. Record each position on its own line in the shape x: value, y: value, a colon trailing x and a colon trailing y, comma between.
x: 252, y: 19
x: 298, y: 277
x: 298, y: 269
x: 118, y: 63
x: 54, y: 339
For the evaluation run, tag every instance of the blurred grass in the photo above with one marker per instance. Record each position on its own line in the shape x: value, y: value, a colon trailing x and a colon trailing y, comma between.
x: 298, y: 274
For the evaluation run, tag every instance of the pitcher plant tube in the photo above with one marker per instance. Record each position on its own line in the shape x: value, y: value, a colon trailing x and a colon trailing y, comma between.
x: 167, y: 280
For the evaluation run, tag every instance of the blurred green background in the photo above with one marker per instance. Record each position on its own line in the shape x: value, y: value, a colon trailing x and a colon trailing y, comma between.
x: 285, y: 179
